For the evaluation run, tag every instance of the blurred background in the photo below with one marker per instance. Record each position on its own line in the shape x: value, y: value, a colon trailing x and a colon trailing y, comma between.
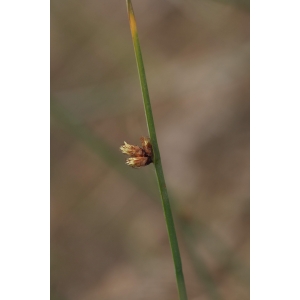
x: 108, y: 234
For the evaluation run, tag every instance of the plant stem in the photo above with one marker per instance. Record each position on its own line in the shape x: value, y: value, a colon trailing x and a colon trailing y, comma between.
x: 156, y: 157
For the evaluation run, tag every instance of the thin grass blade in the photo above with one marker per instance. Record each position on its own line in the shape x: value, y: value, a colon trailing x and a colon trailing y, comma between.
x: 156, y: 160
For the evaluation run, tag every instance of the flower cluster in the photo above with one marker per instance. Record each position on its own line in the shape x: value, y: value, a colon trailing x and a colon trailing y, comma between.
x: 139, y: 156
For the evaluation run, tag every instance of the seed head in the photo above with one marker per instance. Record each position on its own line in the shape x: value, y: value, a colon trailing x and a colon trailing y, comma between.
x: 139, y: 157
x: 136, y: 162
x: 146, y: 145
x: 132, y: 150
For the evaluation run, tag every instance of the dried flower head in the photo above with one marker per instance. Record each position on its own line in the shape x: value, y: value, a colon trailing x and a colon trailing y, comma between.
x: 137, y: 162
x: 146, y: 145
x: 139, y: 157
x: 132, y: 150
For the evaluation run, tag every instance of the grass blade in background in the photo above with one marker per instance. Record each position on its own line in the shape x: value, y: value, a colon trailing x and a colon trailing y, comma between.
x: 156, y: 157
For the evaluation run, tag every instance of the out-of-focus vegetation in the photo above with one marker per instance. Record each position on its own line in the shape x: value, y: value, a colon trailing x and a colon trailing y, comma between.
x: 108, y: 236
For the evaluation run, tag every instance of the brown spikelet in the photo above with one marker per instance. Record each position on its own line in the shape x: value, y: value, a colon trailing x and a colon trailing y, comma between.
x: 139, y: 157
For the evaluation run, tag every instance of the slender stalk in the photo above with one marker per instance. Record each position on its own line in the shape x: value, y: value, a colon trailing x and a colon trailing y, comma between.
x: 156, y: 157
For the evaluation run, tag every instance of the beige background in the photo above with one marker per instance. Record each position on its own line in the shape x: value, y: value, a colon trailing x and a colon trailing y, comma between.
x: 108, y: 236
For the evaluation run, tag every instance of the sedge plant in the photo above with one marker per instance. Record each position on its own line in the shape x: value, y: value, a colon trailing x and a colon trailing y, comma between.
x: 149, y: 153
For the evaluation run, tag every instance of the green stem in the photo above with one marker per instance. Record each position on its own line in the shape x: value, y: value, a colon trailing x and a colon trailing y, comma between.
x: 156, y: 157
